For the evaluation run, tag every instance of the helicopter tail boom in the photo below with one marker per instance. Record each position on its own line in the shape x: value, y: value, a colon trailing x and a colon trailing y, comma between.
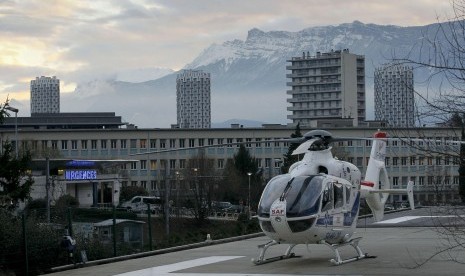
x: 376, y: 187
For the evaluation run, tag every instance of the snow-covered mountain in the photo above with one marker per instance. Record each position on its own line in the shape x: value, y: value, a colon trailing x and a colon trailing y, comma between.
x: 249, y: 77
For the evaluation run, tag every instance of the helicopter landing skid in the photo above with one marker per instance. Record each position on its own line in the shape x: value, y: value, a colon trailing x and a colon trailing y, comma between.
x: 263, y: 247
x: 354, y: 243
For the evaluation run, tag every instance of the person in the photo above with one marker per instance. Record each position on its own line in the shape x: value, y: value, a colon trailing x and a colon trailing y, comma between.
x: 69, y: 244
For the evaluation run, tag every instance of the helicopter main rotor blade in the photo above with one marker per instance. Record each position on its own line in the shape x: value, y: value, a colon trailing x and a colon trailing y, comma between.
x: 303, y: 148
x: 285, y: 140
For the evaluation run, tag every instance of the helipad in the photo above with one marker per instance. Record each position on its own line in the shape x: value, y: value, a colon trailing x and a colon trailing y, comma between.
x: 395, y: 250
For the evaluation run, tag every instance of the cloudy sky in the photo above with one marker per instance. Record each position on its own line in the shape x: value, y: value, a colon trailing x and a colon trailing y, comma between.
x: 79, y: 41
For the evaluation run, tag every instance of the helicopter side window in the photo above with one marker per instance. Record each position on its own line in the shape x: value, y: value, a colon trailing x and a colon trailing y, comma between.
x: 338, y: 195
x: 347, y: 195
x: 327, y: 202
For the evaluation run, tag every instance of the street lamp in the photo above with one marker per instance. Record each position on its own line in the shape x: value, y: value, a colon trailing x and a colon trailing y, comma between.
x: 15, y: 110
x: 248, y: 201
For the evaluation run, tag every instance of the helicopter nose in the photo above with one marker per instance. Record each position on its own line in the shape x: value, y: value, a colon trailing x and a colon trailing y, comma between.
x: 278, y: 218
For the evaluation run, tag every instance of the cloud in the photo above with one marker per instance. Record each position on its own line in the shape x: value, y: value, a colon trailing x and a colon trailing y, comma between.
x: 80, y: 41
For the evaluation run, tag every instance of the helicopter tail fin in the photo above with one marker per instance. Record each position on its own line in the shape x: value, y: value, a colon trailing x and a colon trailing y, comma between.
x: 376, y: 187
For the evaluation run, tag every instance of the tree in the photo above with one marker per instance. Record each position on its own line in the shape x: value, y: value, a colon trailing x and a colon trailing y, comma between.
x: 442, y: 55
x: 128, y: 192
x: 15, y: 181
x: 202, y: 177
x: 236, y: 178
x: 290, y: 159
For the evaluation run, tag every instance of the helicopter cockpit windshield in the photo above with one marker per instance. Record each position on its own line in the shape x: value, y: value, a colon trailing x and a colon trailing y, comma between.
x: 303, y: 198
x: 302, y: 194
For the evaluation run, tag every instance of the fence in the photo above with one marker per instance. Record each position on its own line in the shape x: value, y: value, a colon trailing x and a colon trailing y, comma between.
x: 34, y: 241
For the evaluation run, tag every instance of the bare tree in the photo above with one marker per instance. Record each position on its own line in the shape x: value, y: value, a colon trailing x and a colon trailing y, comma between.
x: 440, y: 98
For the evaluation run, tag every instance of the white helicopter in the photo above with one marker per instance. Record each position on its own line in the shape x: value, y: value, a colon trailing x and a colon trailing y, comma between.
x: 318, y: 200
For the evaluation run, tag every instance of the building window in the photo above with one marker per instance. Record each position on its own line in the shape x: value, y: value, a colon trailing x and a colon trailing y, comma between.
x: 162, y: 143
x: 134, y: 183
x: 421, y: 160
x: 153, y: 185
x: 267, y: 162
x: 201, y: 142
x: 182, y: 143
x: 74, y: 144
x: 172, y: 143
x: 113, y: 143
x: 220, y: 163
x: 438, y: 160
x: 395, y: 161
x: 210, y: 141
x: 430, y: 161
x: 258, y: 145
x: 123, y: 143
x: 153, y: 165
x: 143, y: 183
x: 143, y: 143
x: 64, y: 144
x: 191, y: 143
x: 412, y: 160
x: 182, y: 163
x: 446, y: 160
x: 103, y: 144
x: 143, y: 164
x: 133, y: 143
x: 83, y: 144
x: 134, y: 165
x: 421, y: 180
x: 395, y: 181
x: 267, y: 144
x: 259, y: 162
x: 153, y: 143
x: 403, y: 161
x: 93, y: 144
x: 172, y: 163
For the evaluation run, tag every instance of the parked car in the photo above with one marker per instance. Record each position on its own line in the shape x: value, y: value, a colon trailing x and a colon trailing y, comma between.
x: 388, y: 207
x: 404, y: 205
x: 222, y: 205
x: 139, y: 204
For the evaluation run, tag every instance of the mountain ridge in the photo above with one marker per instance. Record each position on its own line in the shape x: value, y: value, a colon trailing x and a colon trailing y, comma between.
x: 248, y: 77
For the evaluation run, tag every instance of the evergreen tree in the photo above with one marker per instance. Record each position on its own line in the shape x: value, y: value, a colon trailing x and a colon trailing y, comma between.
x: 290, y: 159
x: 15, y: 181
x: 236, y: 178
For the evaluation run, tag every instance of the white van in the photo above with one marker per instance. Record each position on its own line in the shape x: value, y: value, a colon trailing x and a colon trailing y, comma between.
x: 139, y: 204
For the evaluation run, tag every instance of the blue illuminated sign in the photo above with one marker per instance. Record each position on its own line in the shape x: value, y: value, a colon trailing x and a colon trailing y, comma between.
x: 80, y: 174
x: 80, y: 163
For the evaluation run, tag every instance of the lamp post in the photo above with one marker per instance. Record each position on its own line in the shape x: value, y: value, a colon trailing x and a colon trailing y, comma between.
x: 248, y: 200
x: 15, y: 110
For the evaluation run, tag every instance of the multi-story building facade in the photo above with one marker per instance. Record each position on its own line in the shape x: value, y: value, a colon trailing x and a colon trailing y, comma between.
x: 326, y: 86
x: 394, y: 95
x: 45, y: 95
x: 435, y: 175
x: 193, y: 99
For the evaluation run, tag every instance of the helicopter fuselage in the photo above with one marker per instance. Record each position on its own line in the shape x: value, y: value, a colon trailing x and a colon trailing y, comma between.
x: 318, y: 200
